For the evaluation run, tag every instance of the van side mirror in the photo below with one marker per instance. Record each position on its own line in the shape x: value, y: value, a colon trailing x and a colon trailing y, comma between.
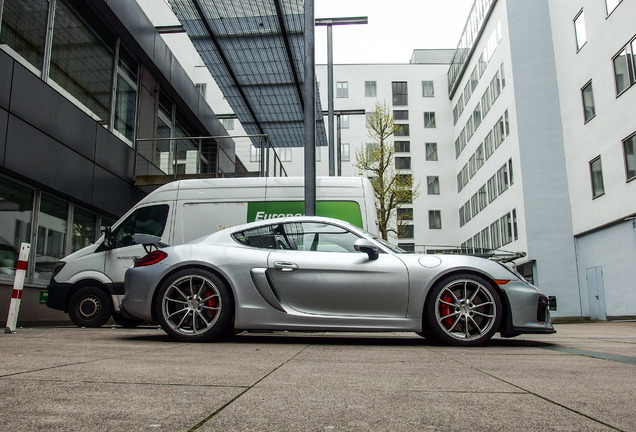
x: 365, y: 246
x: 109, y: 240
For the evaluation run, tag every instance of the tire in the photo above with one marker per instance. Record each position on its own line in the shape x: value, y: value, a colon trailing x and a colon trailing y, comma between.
x: 125, y: 322
x: 463, y: 310
x: 90, y: 307
x: 194, y: 305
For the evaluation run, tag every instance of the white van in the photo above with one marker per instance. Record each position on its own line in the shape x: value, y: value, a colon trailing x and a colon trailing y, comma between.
x: 89, y: 284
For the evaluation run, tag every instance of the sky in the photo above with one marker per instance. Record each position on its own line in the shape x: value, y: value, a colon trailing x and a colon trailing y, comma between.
x: 395, y: 28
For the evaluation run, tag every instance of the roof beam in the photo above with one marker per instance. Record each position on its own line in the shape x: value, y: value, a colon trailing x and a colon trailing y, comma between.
x: 226, y: 63
x: 290, y: 59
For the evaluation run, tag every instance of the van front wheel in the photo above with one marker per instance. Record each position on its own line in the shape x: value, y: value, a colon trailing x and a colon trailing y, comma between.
x: 90, y: 307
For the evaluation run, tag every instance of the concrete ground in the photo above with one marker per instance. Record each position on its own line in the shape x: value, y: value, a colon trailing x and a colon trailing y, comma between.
x: 113, y: 379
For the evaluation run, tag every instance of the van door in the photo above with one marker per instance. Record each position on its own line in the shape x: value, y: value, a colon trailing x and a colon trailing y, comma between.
x: 151, y: 220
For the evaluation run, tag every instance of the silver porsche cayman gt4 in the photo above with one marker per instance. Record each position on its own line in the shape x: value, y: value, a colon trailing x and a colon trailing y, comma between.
x: 321, y: 274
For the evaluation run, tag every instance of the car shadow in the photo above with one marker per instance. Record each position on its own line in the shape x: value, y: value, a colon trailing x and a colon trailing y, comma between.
x: 351, y: 339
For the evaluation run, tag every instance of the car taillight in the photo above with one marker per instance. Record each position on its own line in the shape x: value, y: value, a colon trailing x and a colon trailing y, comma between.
x: 152, y: 258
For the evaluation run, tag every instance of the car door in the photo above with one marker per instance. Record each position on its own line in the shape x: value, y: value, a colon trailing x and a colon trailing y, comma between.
x: 316, y: 270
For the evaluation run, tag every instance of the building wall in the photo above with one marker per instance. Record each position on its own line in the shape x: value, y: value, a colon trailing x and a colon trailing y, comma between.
x: 65, y: 171
x: 601, y: 225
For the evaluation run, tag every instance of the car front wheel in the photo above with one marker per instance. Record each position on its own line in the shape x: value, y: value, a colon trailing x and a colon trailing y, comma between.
x: 194, y: 305
x: 464, y: 310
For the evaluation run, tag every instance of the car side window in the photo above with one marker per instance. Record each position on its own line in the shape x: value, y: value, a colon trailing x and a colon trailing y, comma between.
x: 146, y: 220
x: 305, y: 236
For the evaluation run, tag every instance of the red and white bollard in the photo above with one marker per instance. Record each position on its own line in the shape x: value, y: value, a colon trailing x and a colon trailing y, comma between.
x: 18, y: 284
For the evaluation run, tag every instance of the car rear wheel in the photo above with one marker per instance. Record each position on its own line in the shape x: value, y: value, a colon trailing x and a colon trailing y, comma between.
x: 90, y: 307
x: 194, y: 305
x: 464, y: 310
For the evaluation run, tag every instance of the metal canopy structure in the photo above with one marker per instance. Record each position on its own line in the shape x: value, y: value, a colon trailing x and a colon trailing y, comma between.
x: 254, y: 49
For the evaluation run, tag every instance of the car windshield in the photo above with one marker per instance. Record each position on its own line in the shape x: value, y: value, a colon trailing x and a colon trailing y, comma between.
x: 386, y: 244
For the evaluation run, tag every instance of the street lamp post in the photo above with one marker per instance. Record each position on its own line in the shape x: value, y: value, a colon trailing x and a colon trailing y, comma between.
x: 330, y: 22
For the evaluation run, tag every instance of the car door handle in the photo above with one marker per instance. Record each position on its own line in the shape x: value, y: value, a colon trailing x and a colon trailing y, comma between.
x: 285, y: 266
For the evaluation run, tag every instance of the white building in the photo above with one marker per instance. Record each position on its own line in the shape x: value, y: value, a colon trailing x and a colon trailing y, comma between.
x: 593, y: 43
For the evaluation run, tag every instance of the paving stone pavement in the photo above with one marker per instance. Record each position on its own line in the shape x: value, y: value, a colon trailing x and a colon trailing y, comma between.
x: 114, y: 379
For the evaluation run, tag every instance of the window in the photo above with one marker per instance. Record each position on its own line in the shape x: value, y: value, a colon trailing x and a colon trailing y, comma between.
x: 370, y: 89
x: 318, y: 154
x: 400, y: 115
x: 84, y: 229
x: 406, y: 231
x: 342, y: 89
x: 435, y: 219
x: 400, y: 93
x: 402, y: 146
x: 507, y: 123
x: 432, y: 185
x: 51, y: 236
x: 515, y: 230
x: 479, y: 156
x: 407, y: 247
x: 427, y: 89
x: 502, y: 179
x: 431, y: 151
x: 405, y: 214
x: 344, y: 121
x: 596, y: 174
x: 15, y: 219
x: 588, y: 102
x: 579, y: 30
x: 203, y: 89
x: 255, y: 154
x: 82, y: 62
x: 309, y: 236
x: 228, y: 124
x: 506, y: 229
x: 145, y: 220
x: 512, y: 179
x: 23, y: 28
x: 492, y: 188
x: 403, y: 131
x: 495, y: 235
x: 126, y: 97
x: 610, y: 5
x: 623, y: 73
x: 403, y: 163
x: 345, y: 155
x: 483, y: 197
x: 285, y: 154
x: 629, y: 148
x: 429, y: 120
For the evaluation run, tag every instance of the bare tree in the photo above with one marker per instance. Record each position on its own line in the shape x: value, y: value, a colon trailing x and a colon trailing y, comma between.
x: 377, y: 161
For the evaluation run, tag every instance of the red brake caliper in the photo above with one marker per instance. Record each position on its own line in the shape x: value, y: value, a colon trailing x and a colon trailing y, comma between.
x: 445, y: 310
x: 212, y: 301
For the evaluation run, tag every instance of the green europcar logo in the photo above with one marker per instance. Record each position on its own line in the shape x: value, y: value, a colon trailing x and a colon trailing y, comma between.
x: 344, y: 210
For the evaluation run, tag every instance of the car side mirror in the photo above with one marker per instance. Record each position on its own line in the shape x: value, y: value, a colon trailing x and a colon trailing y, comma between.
x: 365, y: 246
